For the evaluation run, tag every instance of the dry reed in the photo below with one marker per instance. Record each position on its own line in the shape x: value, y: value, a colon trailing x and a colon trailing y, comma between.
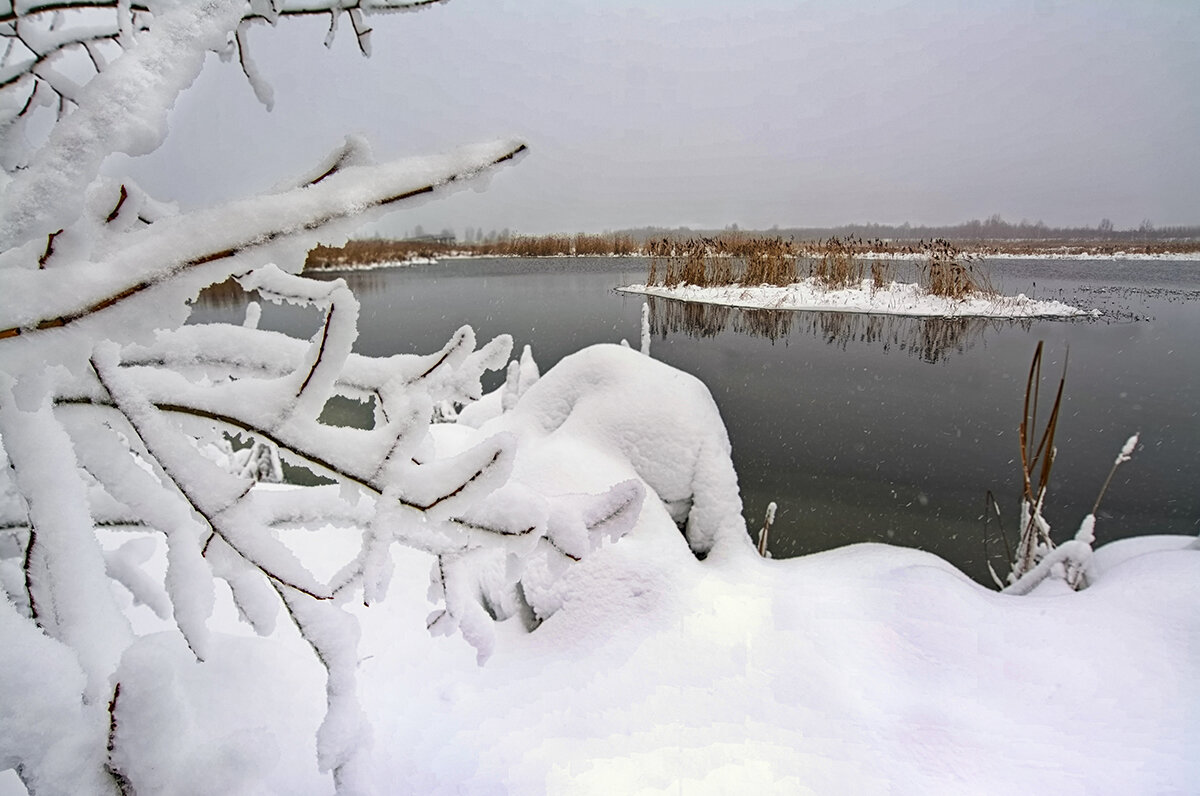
x: 949, y: 272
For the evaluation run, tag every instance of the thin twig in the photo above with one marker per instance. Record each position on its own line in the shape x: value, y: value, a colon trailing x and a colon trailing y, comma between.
x: 116, y: 211
x: 122, y: 783
x: 320, y: 351
x: 49, y: 252
x: 27, y: 567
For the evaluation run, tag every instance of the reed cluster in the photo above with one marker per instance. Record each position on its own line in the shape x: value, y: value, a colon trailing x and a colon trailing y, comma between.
x: 835, y: 263
x: 370, y: 252
x: 523, y: 246
x: 579, y: 245
x: 769, y: 261
x: 618, y: 244
x: 721, y: 260
x: 840, y: 263
x: 946, y: 271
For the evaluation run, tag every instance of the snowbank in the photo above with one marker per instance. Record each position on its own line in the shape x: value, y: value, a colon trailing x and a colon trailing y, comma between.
x: 868, y: 669
x: 893, y: 299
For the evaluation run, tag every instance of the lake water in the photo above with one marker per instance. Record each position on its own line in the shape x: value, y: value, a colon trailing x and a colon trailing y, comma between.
x: 868, y: 428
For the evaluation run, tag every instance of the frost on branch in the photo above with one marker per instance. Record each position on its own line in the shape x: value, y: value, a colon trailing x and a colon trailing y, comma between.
x: 118, y: 424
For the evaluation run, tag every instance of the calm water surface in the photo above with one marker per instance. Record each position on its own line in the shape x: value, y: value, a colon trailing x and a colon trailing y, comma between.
x: 869, y: 428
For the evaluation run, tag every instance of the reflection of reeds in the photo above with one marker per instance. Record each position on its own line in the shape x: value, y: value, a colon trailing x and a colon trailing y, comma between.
x: 771, y: 324
x: 695, y: 319
x: 932, y: 340
x: 668, y: 316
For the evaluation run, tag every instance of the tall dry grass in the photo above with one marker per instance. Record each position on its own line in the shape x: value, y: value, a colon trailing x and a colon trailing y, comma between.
x: 371, y: 252
x: 721, y: 260
x: 579, y: 245
x: 835, y: 263
x: 948, y: 271
x: 769, y: 261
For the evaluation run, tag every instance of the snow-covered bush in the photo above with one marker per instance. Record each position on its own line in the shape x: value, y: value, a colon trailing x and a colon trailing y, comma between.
x: 115, y: 417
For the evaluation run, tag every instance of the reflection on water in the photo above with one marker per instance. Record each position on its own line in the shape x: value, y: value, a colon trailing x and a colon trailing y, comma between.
x: 930, y: 339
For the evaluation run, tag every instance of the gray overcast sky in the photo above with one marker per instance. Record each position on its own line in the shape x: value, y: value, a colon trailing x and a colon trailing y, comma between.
x: 709, y: 113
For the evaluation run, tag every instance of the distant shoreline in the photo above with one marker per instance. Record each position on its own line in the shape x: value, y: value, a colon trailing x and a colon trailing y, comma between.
x: 1190, y: 256
x: 369, y: 254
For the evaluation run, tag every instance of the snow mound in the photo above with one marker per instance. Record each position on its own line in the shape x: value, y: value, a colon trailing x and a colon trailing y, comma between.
x: 609, y: 406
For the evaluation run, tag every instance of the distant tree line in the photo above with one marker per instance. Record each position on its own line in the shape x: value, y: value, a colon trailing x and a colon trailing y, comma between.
x: 993, y: 228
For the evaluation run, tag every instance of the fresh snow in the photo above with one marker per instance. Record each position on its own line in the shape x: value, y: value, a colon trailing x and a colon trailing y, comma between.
x: 864, y: 670
x: 868, y: 669
x: 893, y: 299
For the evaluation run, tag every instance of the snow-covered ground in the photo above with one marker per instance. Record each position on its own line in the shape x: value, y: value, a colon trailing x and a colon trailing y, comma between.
x: 895, y: 298
x: 868, y: 669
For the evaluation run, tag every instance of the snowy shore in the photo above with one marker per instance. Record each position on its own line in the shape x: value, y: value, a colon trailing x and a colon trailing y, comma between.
x: 894, y: 299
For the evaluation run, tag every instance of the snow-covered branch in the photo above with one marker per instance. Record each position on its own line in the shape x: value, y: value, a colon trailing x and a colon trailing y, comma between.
x: 38, y: 34
x: 134, y: 434
x: 146, y: 257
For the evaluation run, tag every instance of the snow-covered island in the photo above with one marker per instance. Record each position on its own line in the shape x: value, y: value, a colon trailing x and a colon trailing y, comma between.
x: 894, y: 298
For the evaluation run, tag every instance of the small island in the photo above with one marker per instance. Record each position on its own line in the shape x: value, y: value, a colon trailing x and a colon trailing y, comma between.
x: 894, y: 298
x: 838, y: 275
